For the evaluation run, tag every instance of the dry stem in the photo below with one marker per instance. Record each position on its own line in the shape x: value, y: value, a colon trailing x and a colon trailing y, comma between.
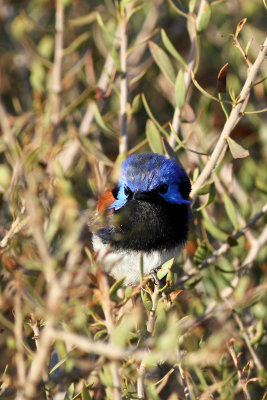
x: 58, y: 53
x: 233, y: 119
x: 107, y: 309
x: 123, y: 85
x: 224, y: 248
x: 242, y: 378
x: 150, y: 328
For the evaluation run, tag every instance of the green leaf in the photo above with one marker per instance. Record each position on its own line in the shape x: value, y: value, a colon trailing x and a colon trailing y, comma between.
x: 192, y: 5
x: 116, y: 58
x: 202, y: 252
x: 100, y: 334
x: 37, y: 76
x: 214, y: 230
x: 70, y: 392
x: 85, y: 393
x: 100, y: 122
x: 163, y: 61
x: 261, y: 184
x: 5, y: 177
x: 203, y: 91
x: 211, y: 191
x: 205, y: 189
x: 146, y: 300
x: 169, y: 151
x: 246, y: 208
x: 77, y: 42
x: 46, y: 46
x: 116, y: 286
x: 122, y: 332
x: 136, y: 103
x: 180, y: 90
x: 195, y: 174
x: 163, y: 271
x: 55, y: 367
x: 91, y: 147
x: 236, y: 149
x: 153, y: 137
x: 171, y: 49
x: 165, y: 133
x: 204, y: 18
x: 230, y: 209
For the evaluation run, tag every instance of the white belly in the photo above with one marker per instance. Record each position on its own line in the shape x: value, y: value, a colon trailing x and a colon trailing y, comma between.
x: 126, y: 263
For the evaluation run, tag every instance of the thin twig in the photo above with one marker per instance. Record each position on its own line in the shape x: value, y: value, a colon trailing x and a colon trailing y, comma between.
x: 107, y: 309
x: 58, y: 53
x: 18, y: 334
x: 233, y: 119
x: 256, y: 359
x: 150, y: 328
x: 38, y: 365
x: 15, y: 227
x: 54, y: 296
x: 191, y: 62
x: 241, y: 376
x: 163, y: 382
x: 114, y: 352
x: 123, y: 85
x: 222, y: 250
x: 184, y: 380
x: 5, y: 124
x: 70, y: 151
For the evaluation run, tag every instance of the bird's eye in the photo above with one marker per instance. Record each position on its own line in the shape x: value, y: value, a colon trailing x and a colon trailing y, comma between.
x: 163, y: 189
x: 127, y: 191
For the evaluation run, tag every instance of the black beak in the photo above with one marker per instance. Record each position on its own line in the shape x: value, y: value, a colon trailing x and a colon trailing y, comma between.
x: 145, y: 196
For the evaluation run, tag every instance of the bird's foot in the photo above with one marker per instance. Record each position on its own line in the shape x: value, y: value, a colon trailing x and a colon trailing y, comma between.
x: 155, y: 278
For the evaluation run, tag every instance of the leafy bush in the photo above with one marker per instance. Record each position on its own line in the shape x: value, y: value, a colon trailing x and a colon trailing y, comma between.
x: 83, y: 85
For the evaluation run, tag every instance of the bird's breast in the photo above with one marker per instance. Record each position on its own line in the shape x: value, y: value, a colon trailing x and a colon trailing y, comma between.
x: 147, y: 226
x: 126, y: 263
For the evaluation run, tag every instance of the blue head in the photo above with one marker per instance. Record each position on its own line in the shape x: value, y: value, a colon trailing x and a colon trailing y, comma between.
x: 152, y: 173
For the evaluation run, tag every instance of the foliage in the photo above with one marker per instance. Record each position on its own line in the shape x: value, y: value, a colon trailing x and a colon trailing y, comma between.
x: 84, y: 84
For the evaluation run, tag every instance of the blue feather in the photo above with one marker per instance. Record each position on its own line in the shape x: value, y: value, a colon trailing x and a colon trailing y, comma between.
x: 148, y: 171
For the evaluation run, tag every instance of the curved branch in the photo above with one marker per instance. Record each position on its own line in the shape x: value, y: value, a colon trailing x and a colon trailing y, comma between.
x: 233, y: 119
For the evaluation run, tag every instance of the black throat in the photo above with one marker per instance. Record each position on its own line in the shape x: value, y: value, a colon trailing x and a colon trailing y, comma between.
x: 147, y: 226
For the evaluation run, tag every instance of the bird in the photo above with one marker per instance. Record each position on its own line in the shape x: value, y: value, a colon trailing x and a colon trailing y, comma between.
x: 148, y: 212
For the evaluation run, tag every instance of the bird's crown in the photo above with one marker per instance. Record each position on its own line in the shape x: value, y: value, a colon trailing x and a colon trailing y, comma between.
x: 150, y: 172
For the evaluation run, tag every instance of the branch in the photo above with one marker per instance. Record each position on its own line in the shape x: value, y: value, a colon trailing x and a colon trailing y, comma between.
x: 70, y: 151
x: 58, y: 53
x: 241, y: 376
x: 123, y: 85
x: 222, y: 250
x: 239, y: 322
x: 150, y: 328
x: 18, y: 334
x: 233, y: 119
x: 107, y: 309
x: 17, y: 224
x: 177, y: 116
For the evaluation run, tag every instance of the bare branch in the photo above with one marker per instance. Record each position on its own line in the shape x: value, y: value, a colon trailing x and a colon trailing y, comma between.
x: 124, y: 84
x: 242, y: 378
x: 58, y: 53
x: 106, y: 305
x: 233, y: 119
x: 222, y: 250
x: 18, y: 334
x: 150, y: 328
x: 191, y: 62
